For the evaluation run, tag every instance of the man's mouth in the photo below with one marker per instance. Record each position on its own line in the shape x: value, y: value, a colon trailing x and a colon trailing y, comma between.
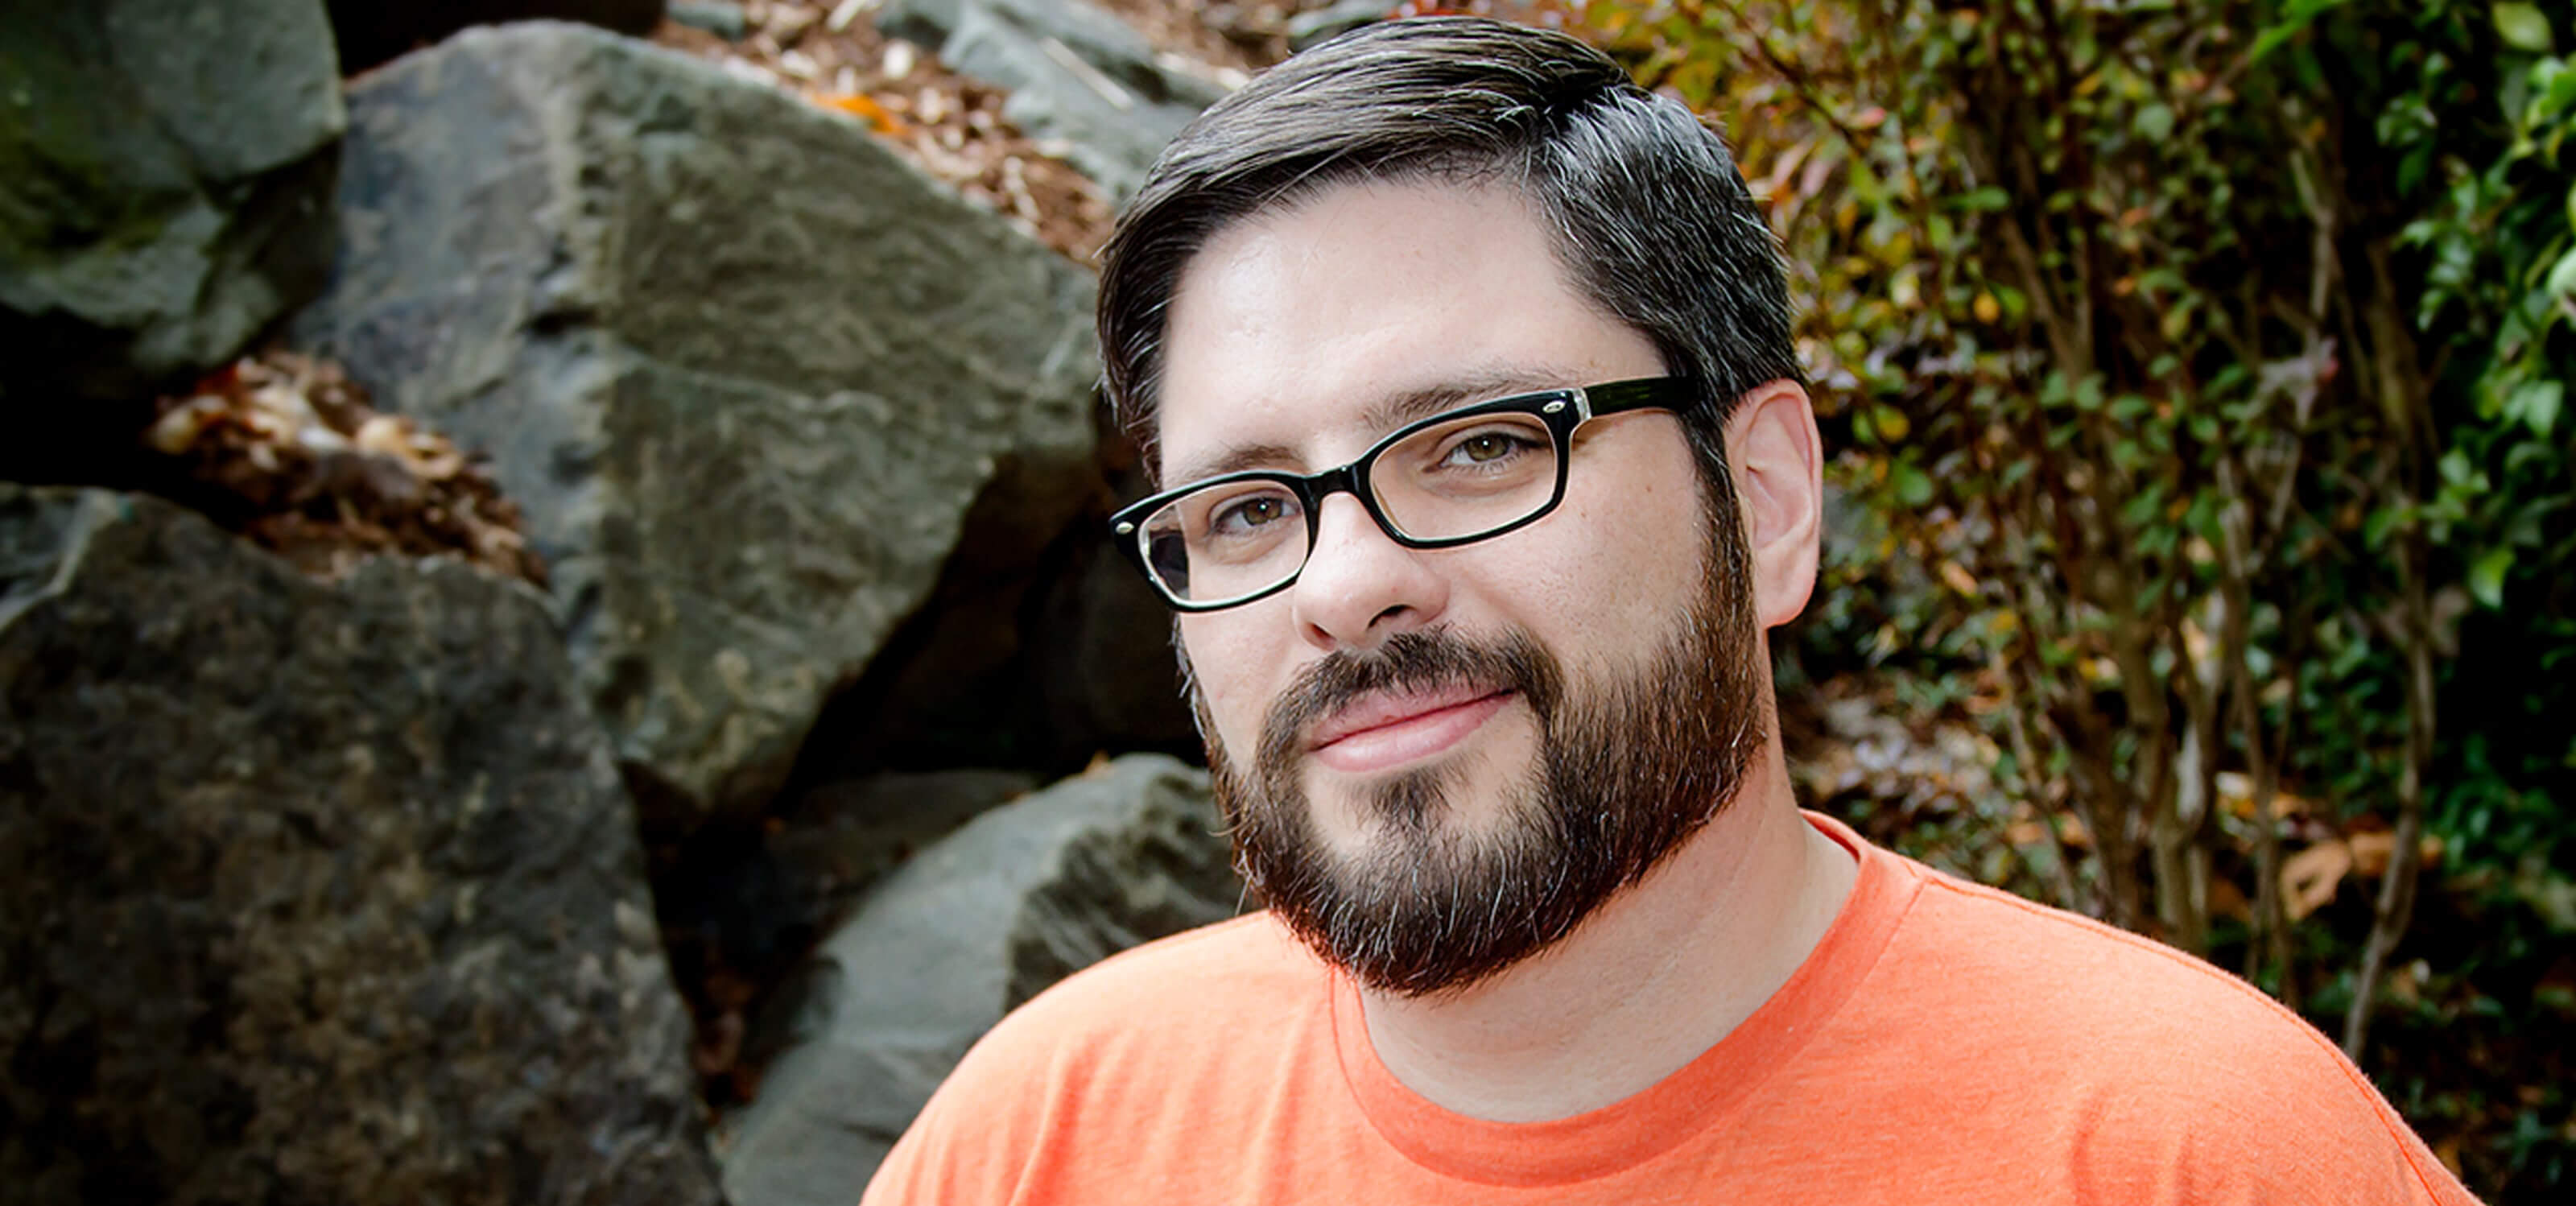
x: 1386, y: 730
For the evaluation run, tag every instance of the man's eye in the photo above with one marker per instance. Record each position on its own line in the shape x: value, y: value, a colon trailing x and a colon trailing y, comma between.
x: 1486, y: 447
x: 1245, y: 515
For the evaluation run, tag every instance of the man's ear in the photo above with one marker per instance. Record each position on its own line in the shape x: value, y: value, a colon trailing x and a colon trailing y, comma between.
x: 1778, y: 459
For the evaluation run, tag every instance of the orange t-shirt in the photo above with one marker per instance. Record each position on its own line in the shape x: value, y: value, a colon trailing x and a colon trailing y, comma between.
x: 1944, y: 1043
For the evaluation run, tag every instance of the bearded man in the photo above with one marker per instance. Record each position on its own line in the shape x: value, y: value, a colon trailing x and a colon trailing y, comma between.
x: 1467, y: 364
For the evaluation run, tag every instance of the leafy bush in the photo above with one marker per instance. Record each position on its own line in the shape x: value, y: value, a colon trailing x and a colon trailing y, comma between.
x: 2198, y: 369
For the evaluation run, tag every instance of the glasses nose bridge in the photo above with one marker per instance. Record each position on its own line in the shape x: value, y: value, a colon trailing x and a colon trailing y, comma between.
x: 1351, y: 479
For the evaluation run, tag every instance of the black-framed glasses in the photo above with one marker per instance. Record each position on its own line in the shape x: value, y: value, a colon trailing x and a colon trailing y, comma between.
x: 1455, y: 478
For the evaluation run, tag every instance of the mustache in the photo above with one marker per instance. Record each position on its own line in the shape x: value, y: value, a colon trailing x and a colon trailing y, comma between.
x: 1426, y: 660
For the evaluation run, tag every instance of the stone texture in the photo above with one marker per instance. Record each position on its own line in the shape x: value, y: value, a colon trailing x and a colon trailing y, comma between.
x: 723, y: 18
x: 313, y: 892
x: 1317, y: 25
x: 1018, y: 899
x: 165, y: 185
x: 1039, y: 648
x: 744, y: 370
x: 372, y: 31
x: 1076, y: 75
x: 840, y: 838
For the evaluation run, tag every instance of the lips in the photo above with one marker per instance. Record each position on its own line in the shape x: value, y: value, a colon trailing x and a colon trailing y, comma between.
x: 1384, y: 730
x: 1380, y: 710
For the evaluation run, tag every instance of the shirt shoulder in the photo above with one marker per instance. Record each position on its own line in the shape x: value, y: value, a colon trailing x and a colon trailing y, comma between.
x: 1109, y: 1059
x: 2162, y: 1073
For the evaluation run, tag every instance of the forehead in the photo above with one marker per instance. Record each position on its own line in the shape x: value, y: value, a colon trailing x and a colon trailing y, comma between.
x: 1290, y: 329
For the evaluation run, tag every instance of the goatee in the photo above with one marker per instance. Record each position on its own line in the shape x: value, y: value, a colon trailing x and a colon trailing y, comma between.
x: 1624, y: 773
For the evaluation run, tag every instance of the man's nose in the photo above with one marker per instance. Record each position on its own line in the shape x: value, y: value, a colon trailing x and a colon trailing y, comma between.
x: 1359, y: 586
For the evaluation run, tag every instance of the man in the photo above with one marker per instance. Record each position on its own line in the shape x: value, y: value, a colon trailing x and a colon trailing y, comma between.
x: 1468, y: 365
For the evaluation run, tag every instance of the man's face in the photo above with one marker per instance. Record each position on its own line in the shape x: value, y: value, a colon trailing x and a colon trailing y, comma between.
x: 1437, y: 762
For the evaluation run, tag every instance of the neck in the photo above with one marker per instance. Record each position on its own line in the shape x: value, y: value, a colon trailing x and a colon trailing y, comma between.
x: 1657, y: 975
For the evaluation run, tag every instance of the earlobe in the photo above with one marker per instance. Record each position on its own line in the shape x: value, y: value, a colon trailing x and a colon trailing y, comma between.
x: 1778, y: 458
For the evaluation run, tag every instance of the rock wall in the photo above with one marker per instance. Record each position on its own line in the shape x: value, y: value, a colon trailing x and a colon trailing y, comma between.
x: 165, y: 183
x: 1025, y: 895
x: 314, y: 892
x: 330, y: 888
x: 743, y: 369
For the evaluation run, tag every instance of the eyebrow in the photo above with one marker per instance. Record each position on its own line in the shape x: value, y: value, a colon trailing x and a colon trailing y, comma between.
x: 1386, y: 414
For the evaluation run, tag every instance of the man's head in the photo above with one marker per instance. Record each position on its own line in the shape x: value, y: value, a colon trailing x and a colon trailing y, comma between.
x: 1649, y: 213
x: 1439, y: 762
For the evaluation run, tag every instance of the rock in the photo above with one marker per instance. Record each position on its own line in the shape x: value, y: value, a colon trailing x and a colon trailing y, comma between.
x: 743, y: 370
x: 1115, y: 675
x: 1038, y: 649
x: 971, y: 927
x: 166, y: 177
x: 1331, y: 21
x: 1113, y: 669
x: 723, y: 18
x: 313, y: 892
x: 839, y: 838
x: 371, y: 31
x: 739, y: 904
x: 1076, y: 75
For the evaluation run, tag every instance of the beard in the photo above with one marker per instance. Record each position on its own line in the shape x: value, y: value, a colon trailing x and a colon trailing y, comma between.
x: 1623, y: 774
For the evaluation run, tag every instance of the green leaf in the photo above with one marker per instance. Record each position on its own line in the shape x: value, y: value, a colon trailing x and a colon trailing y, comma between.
x: 1981, y: 200
x: 2088, y: 394
x: 2374, y: 531
x: 2486, y: 578
x: 1912, y: 488
x: 2557, y: 88
x: 2155, y: 123
x: 2537, y: 403
x: 2522, y: 27
x: 2562, y: 276
x: 1890, y: 422
x: 2301, y: 13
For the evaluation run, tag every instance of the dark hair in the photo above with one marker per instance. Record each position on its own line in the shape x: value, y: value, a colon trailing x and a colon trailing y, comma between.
x: 1651, y: 217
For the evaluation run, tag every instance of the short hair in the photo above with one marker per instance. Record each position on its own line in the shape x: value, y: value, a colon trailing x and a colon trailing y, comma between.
x: 1650, y: 215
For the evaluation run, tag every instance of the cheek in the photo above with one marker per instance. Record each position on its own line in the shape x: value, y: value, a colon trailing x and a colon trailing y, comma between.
x: 1220, y: 662
x: 1626, y: 558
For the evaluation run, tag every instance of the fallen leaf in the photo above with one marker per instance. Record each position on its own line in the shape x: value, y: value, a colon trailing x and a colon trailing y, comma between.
x: 2310, y: 877
x: 864, y: 107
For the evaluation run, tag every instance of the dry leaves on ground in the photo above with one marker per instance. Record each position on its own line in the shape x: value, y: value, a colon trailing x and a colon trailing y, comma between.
x: 304, y: 466
x: 949, y: 126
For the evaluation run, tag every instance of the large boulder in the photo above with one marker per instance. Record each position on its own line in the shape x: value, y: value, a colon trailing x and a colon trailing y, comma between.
x: 1021, y: 897
x: 165, y: 193
x: 372, y: 31
x: 1040, y: 648
x: 743, y: 369
x: 313, y: 892
x: 1076, y: 74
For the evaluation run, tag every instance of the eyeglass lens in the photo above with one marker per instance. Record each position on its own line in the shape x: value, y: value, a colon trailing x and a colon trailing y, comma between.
x: 1449, y: 481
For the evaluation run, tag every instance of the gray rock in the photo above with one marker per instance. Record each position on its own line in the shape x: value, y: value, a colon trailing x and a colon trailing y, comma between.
x: 1331, y: 21
x: 743, y: 369
x: 372, y: 31
x: 313, y: 892
x: 839, y: 838
x: 723, y: 18
x: 165, y: 185
x: 1020, y: 898
x: 1115, y: 675
x: 1039, y: 648
x: 1076, y: 74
